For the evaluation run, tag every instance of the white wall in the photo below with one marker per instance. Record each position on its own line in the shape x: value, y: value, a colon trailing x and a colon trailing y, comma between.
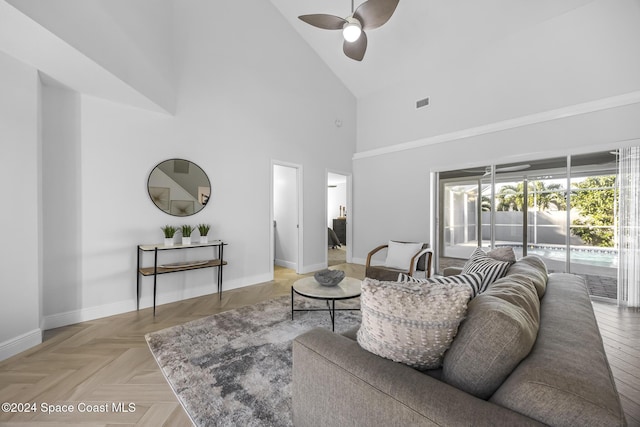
x: 242, y: 101
x: 285, y: 215
x: 568, y: 85
x: 393, y: 190
x: 61, y: 204
x: 586, y: 54
x: 132, y: 39
x: 20, y: 253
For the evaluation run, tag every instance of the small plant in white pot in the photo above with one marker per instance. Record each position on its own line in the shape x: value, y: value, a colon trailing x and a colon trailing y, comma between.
x: 186, y: 234
x: 204, y: 230
x: 169, y: 231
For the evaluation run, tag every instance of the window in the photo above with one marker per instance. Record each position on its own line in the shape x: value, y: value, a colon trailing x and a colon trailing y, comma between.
x: 561, y: 209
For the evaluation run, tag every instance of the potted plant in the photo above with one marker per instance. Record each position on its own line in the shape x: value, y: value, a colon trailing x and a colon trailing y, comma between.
x: 186, y: 234
x: 169, y: 231
x: 204, y: 230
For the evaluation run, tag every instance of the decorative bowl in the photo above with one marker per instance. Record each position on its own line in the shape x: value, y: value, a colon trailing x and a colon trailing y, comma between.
x: 329, y: 277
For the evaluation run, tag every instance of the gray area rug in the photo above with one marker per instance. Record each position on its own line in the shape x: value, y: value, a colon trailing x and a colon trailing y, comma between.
x: 234, y: 368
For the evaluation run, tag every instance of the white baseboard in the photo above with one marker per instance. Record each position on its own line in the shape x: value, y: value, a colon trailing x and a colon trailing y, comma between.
x: 85, y: 314
x: 361, y: 261
x: 20, y: 343
x: 314, y: 267
x: 246, y: 281
x: 106, y: 310
x: 285, y: 264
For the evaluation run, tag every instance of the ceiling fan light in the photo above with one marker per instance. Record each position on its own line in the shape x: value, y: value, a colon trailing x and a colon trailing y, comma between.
x: 352, y: 30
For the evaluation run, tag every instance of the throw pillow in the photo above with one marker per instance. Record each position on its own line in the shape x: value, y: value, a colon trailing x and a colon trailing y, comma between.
x: 504, y: 253
x: 492, y: 269
x: 408, y: 323
x: 500, y: 330
x: 473, y: 280
x: 399, y: 254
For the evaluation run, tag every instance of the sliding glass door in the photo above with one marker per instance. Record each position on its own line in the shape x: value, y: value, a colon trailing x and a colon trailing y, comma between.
x: 463, y: 202
x: 593, y: 252
x: 561, y: 209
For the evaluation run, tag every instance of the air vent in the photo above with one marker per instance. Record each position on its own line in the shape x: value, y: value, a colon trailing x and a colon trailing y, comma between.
x: 422, y: 103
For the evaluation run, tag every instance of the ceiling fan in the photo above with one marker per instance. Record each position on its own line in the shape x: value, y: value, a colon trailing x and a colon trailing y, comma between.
x: 369, y: 15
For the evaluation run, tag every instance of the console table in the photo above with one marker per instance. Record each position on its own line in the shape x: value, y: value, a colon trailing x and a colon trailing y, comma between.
x: 155, y: 269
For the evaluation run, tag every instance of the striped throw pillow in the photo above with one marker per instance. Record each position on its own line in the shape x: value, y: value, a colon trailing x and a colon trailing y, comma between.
x: 474, y: 280
x: 492, y: 269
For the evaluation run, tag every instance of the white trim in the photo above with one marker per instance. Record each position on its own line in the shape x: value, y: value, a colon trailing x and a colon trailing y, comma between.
x: 434, y: 234
x: 349, y: 207
x: 311, y: 268
x: 359, y: 261
x: 285, y: 264
x: 106, y: 310
x: 90, y: 313
x: 20, y: 343
x: 300, y: 201
x: 246, y: 281
x: 545, y: 116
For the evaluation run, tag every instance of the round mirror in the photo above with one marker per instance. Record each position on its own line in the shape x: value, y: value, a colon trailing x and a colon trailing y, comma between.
x: 179, y: 187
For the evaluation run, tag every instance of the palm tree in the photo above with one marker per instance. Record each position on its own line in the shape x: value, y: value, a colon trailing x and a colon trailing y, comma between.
x: 511, y: 197
x: 545, y: 197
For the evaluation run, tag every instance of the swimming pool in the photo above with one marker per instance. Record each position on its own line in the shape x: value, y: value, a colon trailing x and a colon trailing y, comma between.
x: 589, y: 255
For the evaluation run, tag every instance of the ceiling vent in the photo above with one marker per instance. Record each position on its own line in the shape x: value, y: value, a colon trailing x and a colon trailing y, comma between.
x: 422, y: 103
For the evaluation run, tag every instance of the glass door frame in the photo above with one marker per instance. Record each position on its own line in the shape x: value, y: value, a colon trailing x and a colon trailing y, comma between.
x: 561, y: 165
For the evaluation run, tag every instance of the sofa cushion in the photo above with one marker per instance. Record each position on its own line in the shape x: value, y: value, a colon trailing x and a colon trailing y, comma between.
x: 491, y: 268
x: 498, y: 332
x: 411, y: 324
x: 473, y: 280
x: 533, y: 267
x: 565, y: 380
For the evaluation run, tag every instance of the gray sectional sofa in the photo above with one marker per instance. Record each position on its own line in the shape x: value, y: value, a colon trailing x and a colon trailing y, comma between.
x: 563, y: 380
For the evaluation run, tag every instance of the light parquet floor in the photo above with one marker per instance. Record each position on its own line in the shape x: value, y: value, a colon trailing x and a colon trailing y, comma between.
x: 620, y: 330
x: 107, y: 361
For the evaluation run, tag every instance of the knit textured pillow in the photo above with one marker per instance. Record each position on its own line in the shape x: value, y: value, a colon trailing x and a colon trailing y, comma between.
x: 492, y: 269
x: 409, y: 323
x: 473, y: 280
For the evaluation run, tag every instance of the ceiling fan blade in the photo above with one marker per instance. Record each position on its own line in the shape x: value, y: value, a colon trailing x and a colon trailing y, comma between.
x: 355, y: 50
x: 326, y: 22
x: 515, y: 168
x: 374, y: 13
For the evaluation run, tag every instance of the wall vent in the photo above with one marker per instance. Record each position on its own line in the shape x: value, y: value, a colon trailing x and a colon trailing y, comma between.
x: 422, y: 103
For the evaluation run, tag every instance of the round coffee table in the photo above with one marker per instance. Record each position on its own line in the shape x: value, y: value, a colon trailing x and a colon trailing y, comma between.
x: 308, y: 287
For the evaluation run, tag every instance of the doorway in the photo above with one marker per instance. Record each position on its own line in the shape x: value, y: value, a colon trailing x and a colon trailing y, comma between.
x: 286, y: 215
x: 338, y: 227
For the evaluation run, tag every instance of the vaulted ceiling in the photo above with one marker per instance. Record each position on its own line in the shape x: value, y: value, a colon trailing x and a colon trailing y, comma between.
x: 421, y: 34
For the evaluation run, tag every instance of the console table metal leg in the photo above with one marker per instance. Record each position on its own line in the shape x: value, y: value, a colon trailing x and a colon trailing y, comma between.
x: 291, y: 303
x: 221, y: 253
x: 138, y: 282
x: 155, y: 278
